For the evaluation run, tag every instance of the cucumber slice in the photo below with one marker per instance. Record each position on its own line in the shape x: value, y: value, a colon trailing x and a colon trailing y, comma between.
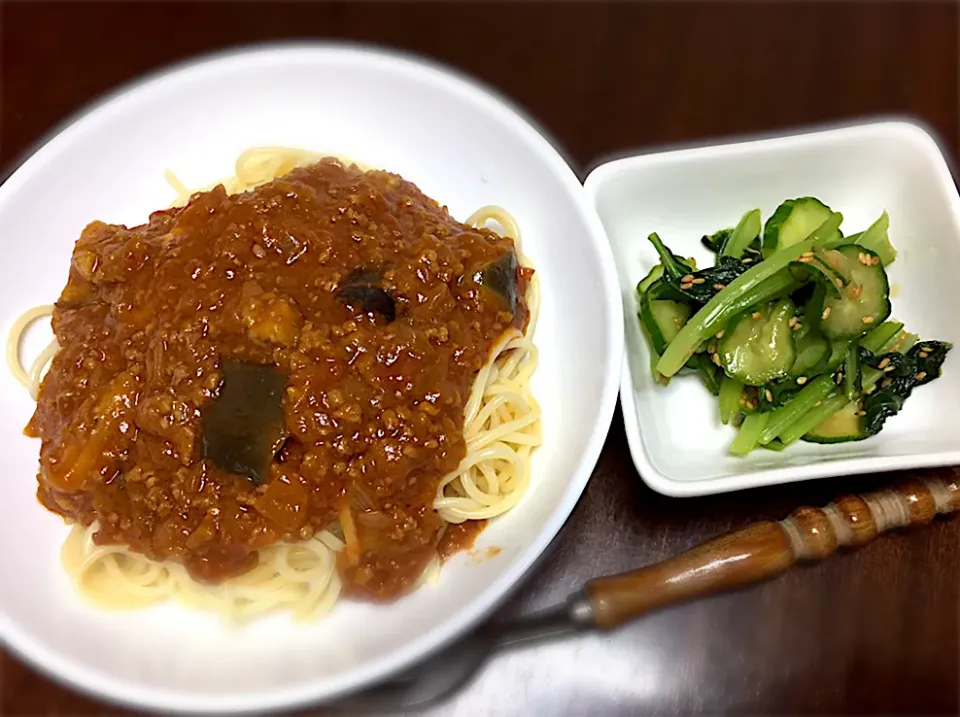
x: 670, y: 317
x: 843, y: 426
x: 759, y: 346
x: 861, y: 305
x: 662, y: 319
x: 794, y: 221
x: 812, y: 349
x: 656, y: 273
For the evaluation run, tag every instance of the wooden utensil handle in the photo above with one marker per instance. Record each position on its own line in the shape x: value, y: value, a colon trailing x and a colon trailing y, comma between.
x: 765, y: 549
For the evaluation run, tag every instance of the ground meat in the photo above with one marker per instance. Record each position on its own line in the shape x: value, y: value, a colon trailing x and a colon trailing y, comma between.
x: 374, y: 392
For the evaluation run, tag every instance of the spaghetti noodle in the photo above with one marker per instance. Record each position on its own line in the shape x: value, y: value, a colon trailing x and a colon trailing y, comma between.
x: 501, y: 429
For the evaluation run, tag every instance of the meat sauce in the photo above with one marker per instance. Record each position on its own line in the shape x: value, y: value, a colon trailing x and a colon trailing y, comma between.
x: 360, y: 293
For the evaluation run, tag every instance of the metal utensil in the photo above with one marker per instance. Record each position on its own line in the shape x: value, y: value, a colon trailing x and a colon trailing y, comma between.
x: 442, y: 674
x: 742, y: 557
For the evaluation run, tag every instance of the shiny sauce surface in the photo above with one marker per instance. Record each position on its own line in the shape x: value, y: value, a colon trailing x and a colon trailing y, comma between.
x: 368, y: 303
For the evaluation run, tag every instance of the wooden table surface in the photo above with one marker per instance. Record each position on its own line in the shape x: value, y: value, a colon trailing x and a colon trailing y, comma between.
x: 872, y: 631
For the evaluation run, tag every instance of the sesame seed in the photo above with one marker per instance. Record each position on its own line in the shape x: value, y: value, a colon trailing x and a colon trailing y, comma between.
x: 686, y: 279
x: 719, y: 334
x: 807, y: 255
x: 792, y: 322
x: 748, y: 260
x: 883, y: 364
x: 819, y: 403
x: 768, y: 395
x: 805, y: 259
x: 920, y: 376
x: 756, y: 315
x: 863, y: 259
x: 875, y: 261
x: 825, y: 314
x: 888, y: 369
x: 861, y: 413
x: 715, y: 358
x: 855, y: 291
x: 924, y: 354
x: 719, y: 287
x: 839, y: 284
x: 801, y: 380
x: 686, y: 287
x: 868, y: 319
x: 699, y: 280
x: 797, y: 326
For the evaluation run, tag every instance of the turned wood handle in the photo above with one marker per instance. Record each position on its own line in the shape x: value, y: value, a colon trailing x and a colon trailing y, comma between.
x: 762, y: 550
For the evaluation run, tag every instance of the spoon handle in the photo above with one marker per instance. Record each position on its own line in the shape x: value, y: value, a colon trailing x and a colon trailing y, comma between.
x: 762, y: 550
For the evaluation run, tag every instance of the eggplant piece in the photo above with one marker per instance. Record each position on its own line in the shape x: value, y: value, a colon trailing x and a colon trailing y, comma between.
x: 500, y: 277
x: 243, y: 428
x: 360, y: 289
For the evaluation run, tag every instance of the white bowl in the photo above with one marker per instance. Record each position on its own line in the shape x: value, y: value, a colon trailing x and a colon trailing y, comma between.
x: 675, y: 435
x: 462, y: 146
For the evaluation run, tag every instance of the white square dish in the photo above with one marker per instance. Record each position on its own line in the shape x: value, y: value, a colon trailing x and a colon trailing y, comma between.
x: 677, y: 441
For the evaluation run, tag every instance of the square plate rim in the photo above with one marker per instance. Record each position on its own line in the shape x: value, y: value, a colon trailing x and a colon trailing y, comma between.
x: 603, y: 172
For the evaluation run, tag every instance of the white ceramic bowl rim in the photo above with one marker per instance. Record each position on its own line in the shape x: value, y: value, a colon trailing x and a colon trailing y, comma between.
x: 77, y: 674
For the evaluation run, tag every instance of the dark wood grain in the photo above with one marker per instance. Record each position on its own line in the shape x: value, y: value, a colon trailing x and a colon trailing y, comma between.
x: 872, y: 631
